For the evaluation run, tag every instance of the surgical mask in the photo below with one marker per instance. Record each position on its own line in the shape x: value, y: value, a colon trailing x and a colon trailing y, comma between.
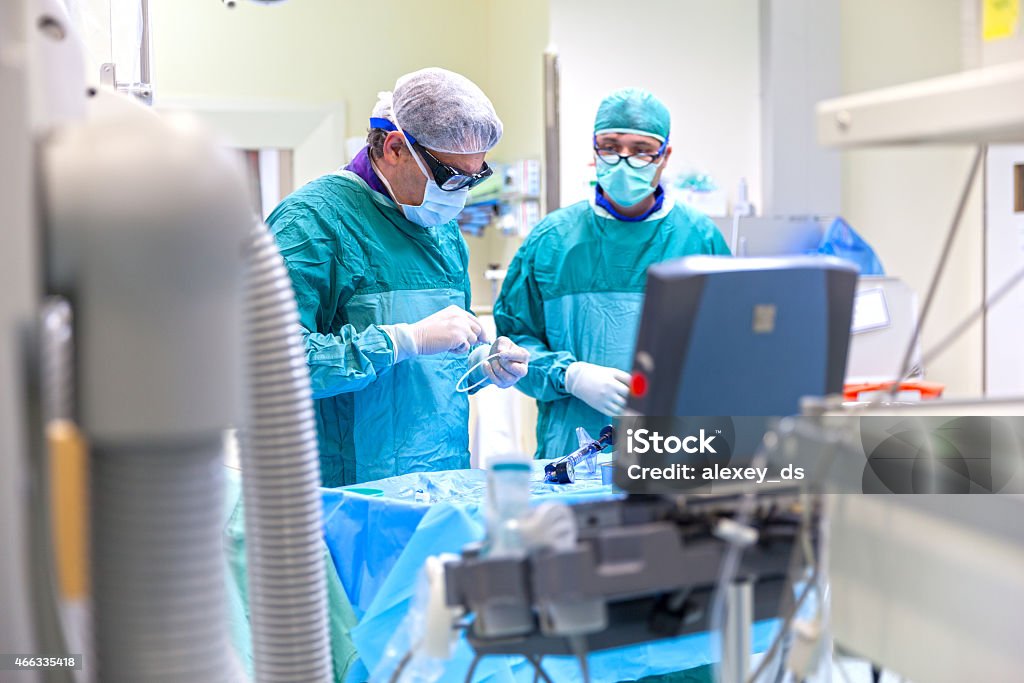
x: 438, y: 207
x: 625, y: 185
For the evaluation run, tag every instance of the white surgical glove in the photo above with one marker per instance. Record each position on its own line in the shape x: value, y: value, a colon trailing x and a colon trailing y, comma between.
x: 603, y: 389
x: 452, y: 329
x: 508, y: 368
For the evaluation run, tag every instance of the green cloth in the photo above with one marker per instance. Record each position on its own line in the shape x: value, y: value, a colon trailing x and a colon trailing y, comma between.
x: 340, y: 616
x: 633, y: 110
x: 574, y: 291
x: 357, y: 263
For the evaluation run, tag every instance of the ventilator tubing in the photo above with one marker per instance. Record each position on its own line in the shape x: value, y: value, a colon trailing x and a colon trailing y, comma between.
x: 281, y: 482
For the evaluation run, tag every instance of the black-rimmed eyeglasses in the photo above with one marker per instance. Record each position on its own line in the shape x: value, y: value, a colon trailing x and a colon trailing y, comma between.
x: 449, y: 178
x: 612, y: 157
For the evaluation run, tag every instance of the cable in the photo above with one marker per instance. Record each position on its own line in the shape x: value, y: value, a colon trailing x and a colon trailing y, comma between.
x: 786, y: 623
x: 579, y: 648
x: 801, y: 543
x: 400, y: 669
x: 407, y: 658
x: 539, y: 673
x: 812, y: 584
x: 841, y: 667
x: 792, y: 570
x: 404, y: 662
x: 827, y: 442
x: 472, y: 667
x: 947, y: 248
x: 964, y: 324
x: 781, y: 676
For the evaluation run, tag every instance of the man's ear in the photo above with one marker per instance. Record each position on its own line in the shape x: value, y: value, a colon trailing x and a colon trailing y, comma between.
x: 662, y: 163
x: 394, y: 147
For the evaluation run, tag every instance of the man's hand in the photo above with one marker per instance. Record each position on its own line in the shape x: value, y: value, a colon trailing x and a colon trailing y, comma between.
x: 603, y: 389
x: 452, y: 329
x: 510, y: 366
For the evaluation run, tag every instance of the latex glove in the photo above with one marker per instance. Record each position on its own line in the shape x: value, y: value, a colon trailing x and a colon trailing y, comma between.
x: 603, y: 389
x: 451, y: 329
x: 509, y: 367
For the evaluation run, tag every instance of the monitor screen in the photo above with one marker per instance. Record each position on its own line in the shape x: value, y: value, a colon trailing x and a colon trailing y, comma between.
x: 742, y: 337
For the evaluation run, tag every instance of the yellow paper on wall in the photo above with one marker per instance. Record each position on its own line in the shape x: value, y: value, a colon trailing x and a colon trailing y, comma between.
x: 999, y: 18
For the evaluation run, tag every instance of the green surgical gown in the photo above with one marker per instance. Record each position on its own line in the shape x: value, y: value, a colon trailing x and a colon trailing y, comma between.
x: 574, y: 292
x: 357, y: 263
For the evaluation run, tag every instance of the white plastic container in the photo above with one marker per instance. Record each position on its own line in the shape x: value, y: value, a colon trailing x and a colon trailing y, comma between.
x: 506, y: 503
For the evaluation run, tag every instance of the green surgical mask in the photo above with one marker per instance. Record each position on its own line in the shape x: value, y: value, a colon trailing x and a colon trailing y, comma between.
x: 625, y: 185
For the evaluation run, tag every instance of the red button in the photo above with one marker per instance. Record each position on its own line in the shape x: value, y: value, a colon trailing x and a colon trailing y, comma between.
x: 638, y: 385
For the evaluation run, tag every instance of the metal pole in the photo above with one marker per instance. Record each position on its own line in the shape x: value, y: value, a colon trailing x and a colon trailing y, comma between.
x: 947, y: 248
x: 552, y: 137
x: 739, y: 614
x: 144, y: 51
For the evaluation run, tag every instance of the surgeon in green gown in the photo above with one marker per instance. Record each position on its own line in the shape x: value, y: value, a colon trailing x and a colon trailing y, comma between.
x: 574, y: 291
x: 378, y: 266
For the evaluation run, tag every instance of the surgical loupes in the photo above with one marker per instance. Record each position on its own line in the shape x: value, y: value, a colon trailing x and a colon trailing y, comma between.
x: 563, y: 470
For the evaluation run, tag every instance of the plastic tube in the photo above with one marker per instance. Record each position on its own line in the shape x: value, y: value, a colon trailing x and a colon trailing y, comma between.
x: 280, y: 483
x: 461, y: 388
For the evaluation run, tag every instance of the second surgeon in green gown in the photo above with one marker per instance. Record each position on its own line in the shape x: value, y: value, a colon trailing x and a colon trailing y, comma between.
x: 574, y: 291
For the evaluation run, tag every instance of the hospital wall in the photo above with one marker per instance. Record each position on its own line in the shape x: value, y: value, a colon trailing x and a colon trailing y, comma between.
x: 326, y: 51
x: 517, y: 34
x: 700, y: 57
x: 312, y: 51
x: 706, y: 67
x: 902, y: 200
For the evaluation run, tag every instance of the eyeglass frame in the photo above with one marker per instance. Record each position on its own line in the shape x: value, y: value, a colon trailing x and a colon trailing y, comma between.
x: 441, y: 171
x: 655, y: 156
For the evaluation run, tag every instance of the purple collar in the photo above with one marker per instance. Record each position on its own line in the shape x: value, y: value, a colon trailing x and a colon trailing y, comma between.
x: 360, y: 165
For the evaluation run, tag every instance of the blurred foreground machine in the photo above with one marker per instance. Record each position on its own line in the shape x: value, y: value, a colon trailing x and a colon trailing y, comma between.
x: 928, y: 585
x: 137, y: 285
x: 646, y: 567
x: 931, y: 585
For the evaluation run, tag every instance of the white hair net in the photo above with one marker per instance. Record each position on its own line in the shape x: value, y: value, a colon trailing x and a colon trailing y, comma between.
x: 442, y: 110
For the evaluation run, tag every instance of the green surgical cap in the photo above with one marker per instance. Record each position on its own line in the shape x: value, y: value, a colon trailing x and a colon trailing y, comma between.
x: 633, y: 110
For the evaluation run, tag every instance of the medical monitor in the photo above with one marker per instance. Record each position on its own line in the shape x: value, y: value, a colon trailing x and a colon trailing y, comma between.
x: 742, y: 336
